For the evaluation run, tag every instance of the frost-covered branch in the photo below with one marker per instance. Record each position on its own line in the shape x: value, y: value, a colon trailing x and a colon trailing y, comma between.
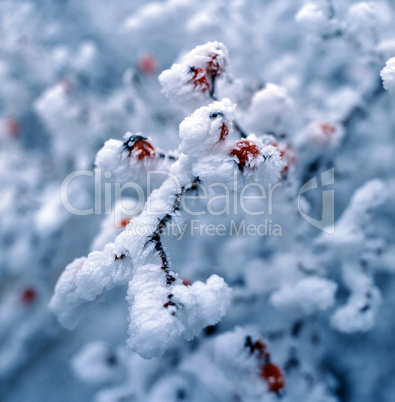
x: 162, y: 308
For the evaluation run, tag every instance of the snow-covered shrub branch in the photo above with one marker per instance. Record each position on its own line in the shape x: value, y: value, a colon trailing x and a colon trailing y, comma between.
x: 161, y: 306
x: 275, y: 307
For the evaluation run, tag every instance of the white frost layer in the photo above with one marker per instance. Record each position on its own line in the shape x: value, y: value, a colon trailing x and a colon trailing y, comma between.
x: 388, y: 76
x: 201, y: 133
x: 114, y: 158
x: 153, y: 327
x: 84, y: 280
x: 183, y: 84
x: 178, y: 85
x: 268, y: 107
x: 203, y: 54
x: 161, y: 307
x: 306, y: 296
x: 357, y: 315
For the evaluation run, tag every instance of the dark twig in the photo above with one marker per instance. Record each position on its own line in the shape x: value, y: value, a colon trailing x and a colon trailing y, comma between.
x: 214, y: 97
x: 239, y: 129
x: 156, y: 239
x: 212, y: 89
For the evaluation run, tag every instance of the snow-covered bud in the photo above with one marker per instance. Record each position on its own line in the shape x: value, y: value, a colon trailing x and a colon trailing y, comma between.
x: 245, y: 161
x: 139, y: 147
x: 192, y: 80
x: 322, y: 135
x: 183, y: 83
x: 211, y: 57
x: 268, y: 108
x: 147, y: 64
x: 388, y: 76
x: 127, y: 160
x: 206, y: 129
x: 287, y: 155
x: 256, y: 161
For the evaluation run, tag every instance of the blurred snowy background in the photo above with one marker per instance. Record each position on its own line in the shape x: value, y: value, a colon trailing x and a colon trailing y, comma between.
x: 74, y: 74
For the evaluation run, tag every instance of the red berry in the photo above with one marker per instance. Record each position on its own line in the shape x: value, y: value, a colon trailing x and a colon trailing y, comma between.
x: 322, y: 134
x: 274, y: 377
x: 328, y: 129
x: 147, y: 64
x: 214, y: 68
x: 245, y: 151
x: 28, y: 296
x: 142, y: 149
x: 13, y: 127
x: 124, y: 222
x: 185, y: 282
x: 199, y: 79
x: 288, y: 156
x: 224, y: 132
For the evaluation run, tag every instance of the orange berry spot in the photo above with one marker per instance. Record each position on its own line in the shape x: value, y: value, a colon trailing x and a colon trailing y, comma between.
x: 13, y: 127
x: 245, y: 151
x: 328, y: 129
x: 147, y: 64
x: 288, y: 156
x: 185, y: 282
x: 142, y: 149
x: 124, y: 222
x: 274, y: 377
x: 224, y: 132
x: 28, y: 296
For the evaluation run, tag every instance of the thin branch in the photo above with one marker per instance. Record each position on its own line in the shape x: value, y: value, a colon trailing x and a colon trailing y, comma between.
x: 212, y: 89
x: 156, y: 239
x: 239, y: 129
x: 214, y: 97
